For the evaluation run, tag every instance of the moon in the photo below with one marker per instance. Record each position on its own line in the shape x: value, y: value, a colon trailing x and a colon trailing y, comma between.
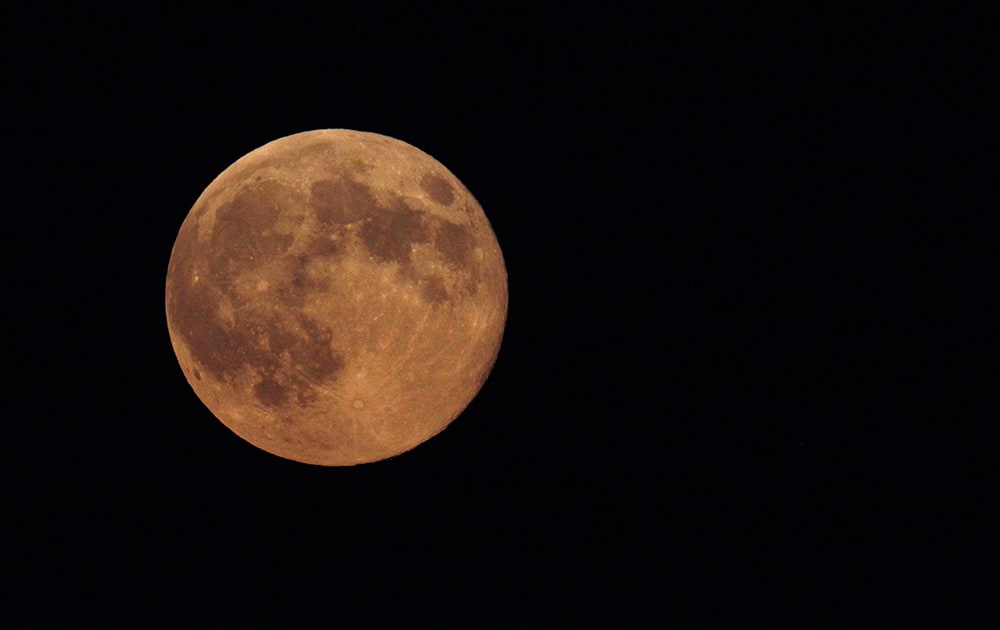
x: 336, y: 297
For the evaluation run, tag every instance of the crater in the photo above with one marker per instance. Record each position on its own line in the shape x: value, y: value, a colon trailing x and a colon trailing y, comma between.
x: 340, y: 201
x: 438, y: 189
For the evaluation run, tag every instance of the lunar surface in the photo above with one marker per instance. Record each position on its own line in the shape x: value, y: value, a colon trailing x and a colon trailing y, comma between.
x: 336, y: 297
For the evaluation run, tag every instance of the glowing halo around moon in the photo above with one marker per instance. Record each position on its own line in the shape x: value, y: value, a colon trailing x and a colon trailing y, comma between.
x: 336, y: 297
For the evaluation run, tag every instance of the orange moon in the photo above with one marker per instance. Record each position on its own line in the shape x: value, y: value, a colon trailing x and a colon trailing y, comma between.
x: 336, y: 297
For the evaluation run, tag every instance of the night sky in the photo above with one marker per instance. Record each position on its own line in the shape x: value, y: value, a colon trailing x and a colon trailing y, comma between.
x: 739, y: 371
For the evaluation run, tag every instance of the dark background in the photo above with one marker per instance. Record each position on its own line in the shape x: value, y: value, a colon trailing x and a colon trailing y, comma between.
x: 739, y: 372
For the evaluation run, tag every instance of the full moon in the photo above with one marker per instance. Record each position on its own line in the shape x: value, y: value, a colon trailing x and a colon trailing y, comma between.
x: 336, y: 297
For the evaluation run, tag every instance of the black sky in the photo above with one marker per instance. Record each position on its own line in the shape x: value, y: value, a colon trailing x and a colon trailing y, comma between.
x: 742, y: 348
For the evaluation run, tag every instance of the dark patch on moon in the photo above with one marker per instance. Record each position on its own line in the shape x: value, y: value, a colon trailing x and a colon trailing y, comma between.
x: 300, y: 279
x: 305, y: 398
x: 341, y: 201
x: 433, y: 290
x: 295, y: 282
x: 438, y: 189
x: 252, y: 207
x: 316, y: 357
x: 280, y: 341
x: 244, y: 236
x: 224, y: 349
x: 324, y: 245
x: 389, y: 234
x: 252, y: 341
x: 194, y: 311
x: 455, y: 242
x: 270, y: 392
